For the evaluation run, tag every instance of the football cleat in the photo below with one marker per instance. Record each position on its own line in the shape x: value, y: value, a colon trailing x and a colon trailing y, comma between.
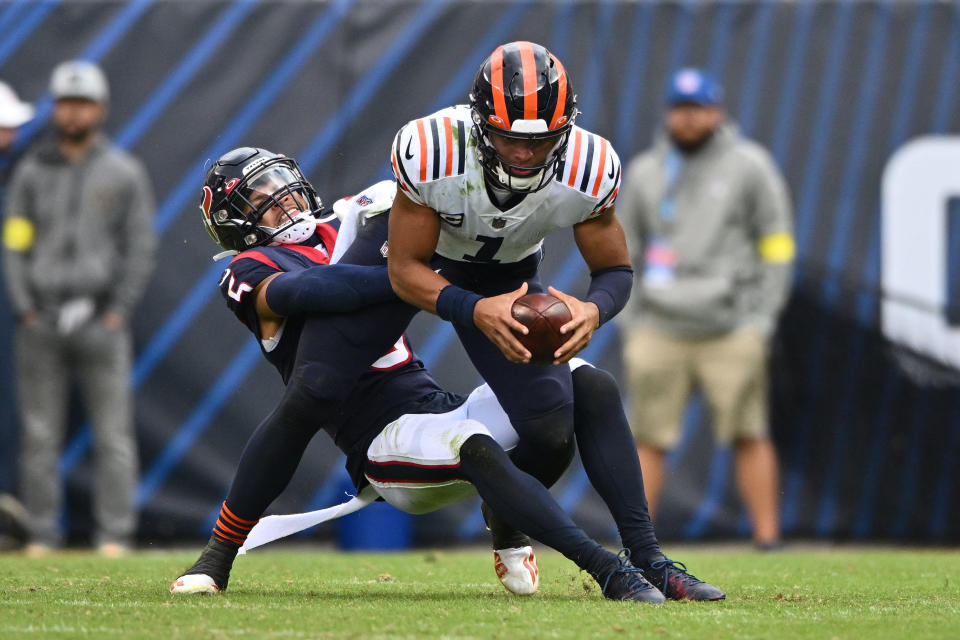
x: 194, y: 583
x: 676, y: 583
x: 517, y: 570
x: 626, y: 582
x: 211, y: 572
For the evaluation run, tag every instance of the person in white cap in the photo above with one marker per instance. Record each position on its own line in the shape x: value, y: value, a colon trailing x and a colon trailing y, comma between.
x: 78, y: 249
x: 13, y: 114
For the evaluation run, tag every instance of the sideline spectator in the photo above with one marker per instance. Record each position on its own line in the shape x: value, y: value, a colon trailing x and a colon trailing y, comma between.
x: 707, y: 215
x: 78, y: 250
x: 13, y: 114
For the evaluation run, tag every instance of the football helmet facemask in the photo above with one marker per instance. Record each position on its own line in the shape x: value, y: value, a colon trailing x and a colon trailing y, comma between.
x: 522, y: 91
x: 243, y: 185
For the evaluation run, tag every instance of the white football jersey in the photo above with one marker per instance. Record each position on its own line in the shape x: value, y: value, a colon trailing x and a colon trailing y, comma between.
x: 436, y: 163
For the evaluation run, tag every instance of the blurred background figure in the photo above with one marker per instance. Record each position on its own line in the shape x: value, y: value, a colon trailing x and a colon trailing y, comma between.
x: 13, y: 114
x: 78, y: 250
x: 709, y: 223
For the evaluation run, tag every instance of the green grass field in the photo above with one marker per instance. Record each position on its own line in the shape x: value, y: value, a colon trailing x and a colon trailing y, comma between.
x: 840, y: 593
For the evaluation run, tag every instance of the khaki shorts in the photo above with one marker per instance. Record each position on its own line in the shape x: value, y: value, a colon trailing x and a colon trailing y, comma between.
x: 731, y: 371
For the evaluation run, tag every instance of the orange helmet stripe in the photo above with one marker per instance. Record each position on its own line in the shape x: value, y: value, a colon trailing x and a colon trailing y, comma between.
x: 496, y: 83
x: 528, y: 62
x: 423, y: 150
x: 558, y: 118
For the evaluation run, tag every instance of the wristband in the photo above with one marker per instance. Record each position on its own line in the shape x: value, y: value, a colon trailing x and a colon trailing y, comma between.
x: 456, y: 305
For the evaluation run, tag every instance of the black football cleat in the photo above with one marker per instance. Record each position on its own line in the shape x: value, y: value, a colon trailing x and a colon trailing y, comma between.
x: 626, y: 582
x: 211, y: 572
x: 672, y: 578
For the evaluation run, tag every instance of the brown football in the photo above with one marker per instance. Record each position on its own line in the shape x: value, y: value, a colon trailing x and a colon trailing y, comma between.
x: 543, y: 314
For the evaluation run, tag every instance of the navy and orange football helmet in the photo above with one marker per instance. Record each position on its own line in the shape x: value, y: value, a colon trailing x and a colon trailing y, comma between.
x: 522, y: 91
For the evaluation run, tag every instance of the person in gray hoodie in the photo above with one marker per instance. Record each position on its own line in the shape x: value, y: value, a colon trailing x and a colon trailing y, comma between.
x: 78, y: 249
x: 709, y: 225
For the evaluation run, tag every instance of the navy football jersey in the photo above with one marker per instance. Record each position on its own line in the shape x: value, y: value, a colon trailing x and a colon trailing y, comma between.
x: 248, y: 269
x: 387, y: 381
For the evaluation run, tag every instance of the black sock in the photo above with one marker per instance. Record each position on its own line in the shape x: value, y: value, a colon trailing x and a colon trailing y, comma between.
x: 609, y: 457
x: 525, y: 504
x: 273, y: 453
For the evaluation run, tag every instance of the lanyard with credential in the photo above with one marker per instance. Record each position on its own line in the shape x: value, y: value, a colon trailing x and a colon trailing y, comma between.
x: 673, y: 169
x: 660, y: 259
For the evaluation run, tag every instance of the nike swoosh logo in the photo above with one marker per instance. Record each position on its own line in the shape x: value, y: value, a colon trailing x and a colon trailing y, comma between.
x: 407, y: 154
x: 610, y: 175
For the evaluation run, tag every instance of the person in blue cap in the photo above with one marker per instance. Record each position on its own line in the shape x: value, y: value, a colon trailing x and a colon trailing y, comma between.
x: 708, y: 220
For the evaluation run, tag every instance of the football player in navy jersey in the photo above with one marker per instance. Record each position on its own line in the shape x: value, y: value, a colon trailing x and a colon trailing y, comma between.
x: 479, y: 187
x: 322, y: 325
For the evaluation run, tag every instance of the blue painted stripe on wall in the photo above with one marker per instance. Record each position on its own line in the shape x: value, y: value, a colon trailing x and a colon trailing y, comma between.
x: 680, y: 40
x: 866, y: 298
x: 128, y: 14
x: 838, y: 255
x: 364, y: 91
x: 184, y: 72
x: 562, y: 25
x: 13, y: 38
x: 633, y: 84
x: 863, y: 525
x: 945, y: 104
x: 590, y: 92
x: 878, y: 449
x: 789, y: 90
x: 819, y: 147
x: 268, y: 92
x: 756, y: 67
x: 11, y: 13
x: 717, y: 479
x: 795, y: 471
x: 98, y: 47
x: 217, y: 395
x: 720, y: 39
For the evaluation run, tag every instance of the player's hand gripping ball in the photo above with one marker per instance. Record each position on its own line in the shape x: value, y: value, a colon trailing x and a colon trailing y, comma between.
x: 543, y: 315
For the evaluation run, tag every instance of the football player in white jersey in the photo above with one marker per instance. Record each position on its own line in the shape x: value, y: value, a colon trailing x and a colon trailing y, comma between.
x: 480, y: 186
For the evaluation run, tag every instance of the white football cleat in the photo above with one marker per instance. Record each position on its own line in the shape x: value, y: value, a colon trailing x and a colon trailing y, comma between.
x: 194, y: 583
x: 517, y: 570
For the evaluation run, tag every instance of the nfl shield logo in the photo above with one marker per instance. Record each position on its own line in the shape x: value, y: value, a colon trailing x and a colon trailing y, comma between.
x: 498, y: 223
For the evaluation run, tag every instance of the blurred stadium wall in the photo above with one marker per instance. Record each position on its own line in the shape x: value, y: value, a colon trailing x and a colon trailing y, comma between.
x: 868, y: 426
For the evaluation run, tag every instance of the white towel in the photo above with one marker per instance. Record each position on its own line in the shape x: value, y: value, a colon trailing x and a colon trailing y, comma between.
x: 275, y: 527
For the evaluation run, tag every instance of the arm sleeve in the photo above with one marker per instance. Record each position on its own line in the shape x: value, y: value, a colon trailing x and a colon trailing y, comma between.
x: 139, y: 242
x: 329, y: 289
x: 773, y: 219
x: 18, y: 239
x: 610, y: 290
